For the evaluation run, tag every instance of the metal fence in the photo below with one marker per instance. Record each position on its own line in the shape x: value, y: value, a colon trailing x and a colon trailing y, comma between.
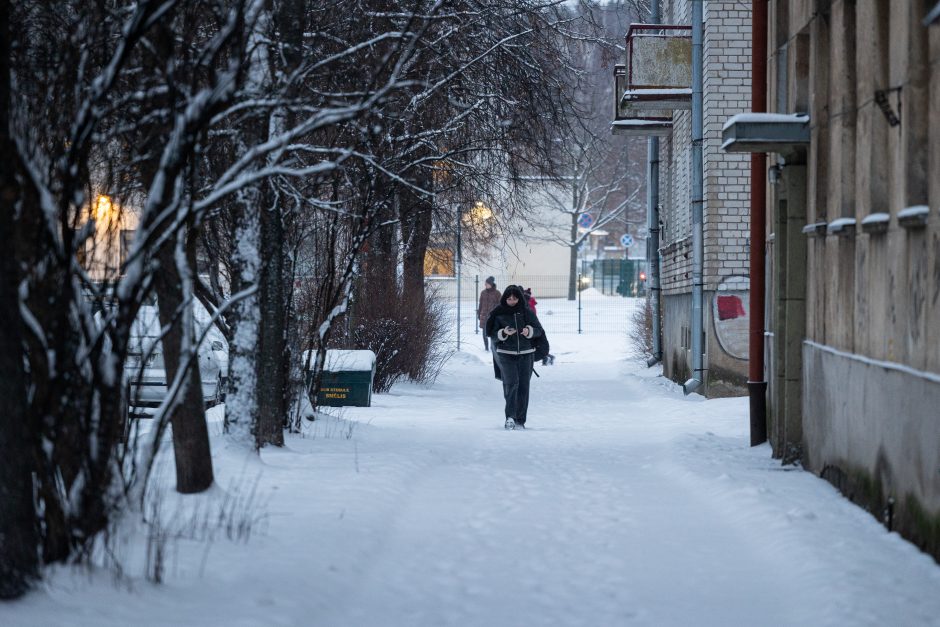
x: 592, y: 311
x: 621, y: 277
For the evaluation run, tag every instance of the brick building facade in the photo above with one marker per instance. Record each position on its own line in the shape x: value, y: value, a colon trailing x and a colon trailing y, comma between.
x: 727, y: 59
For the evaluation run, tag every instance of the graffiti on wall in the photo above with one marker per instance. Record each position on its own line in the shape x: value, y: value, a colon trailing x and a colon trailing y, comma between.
x: 730, y: 316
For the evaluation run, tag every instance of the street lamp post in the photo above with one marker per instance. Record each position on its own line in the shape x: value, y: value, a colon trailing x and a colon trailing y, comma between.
x: 477, y: 217
x: 457, y: 261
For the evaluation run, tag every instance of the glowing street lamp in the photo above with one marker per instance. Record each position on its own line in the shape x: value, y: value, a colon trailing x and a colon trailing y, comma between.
x: 479, y: 213
x: 475, y: 218
x: 104, y: 208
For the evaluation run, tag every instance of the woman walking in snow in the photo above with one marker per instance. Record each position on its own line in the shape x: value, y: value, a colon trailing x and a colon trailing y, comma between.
x: 513, y: 326
x: 489, y: 299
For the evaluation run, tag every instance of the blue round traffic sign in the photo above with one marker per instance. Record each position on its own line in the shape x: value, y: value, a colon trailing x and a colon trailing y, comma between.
x: 585, y: 220
x: 626, y: 240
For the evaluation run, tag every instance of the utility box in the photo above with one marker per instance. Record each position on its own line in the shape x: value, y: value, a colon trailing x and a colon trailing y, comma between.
x: 347, y: 378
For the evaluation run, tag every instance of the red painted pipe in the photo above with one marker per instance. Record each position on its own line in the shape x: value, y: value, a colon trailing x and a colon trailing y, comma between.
x: 757, y: 386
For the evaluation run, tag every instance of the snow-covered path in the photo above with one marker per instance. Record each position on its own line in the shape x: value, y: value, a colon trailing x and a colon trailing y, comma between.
x: 624, y: 503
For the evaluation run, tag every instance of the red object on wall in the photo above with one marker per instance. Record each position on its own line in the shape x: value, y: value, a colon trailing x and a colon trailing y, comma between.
x: 730, y: 307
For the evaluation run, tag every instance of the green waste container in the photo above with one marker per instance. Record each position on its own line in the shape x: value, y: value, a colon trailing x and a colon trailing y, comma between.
x: 347, y: 378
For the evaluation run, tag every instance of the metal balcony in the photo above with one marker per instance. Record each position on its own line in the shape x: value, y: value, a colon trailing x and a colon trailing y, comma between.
x: 658, y: 72
x: 634, y: 122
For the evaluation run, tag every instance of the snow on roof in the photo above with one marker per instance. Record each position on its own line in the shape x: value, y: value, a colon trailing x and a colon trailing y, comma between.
x: 766, y: 118
x: 628, y: 122
x: 634, y: 94
x: 340, y: 360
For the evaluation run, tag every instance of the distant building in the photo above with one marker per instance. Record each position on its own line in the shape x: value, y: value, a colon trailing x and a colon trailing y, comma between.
x: 514, y: 251
x: 109, y: 242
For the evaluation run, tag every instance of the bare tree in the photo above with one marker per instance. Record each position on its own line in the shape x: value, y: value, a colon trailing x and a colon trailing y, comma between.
x: 19, y: 558
x: 599, y: 176
x: 237, y: 126
x: 91, y: 59
x: 602, y: 185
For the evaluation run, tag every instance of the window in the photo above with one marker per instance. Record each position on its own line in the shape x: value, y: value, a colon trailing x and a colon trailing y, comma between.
x: 127, y: 240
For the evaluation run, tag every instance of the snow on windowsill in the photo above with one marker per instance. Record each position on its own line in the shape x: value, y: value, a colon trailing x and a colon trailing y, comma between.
x: 841, y: 226
x: 816, y: 228
x: 876, y: 223
x: 876, y: 218
x: 913, y: 217
x: 915, y: 211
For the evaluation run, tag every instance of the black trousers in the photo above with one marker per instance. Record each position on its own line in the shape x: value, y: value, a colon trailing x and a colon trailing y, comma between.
x: 517, y: 373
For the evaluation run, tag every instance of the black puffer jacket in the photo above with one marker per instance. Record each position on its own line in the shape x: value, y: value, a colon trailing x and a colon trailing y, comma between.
x: 517, y: 317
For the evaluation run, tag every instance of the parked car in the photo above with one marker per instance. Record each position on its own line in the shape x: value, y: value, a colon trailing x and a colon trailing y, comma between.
x: 145, y: 372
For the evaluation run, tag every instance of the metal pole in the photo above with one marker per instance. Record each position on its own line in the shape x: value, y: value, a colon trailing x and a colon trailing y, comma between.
x: 579, y: 303
x: 476, y: 291
x: 698, y: 256
x: 458, y: 263
x: 652, y: 220
x: 623, y: 275
x: 757, y: 384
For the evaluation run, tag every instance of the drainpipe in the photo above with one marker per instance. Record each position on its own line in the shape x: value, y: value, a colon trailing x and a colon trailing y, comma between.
x: 756, y: 384
x: 652, y: 223
x: 698, y: 252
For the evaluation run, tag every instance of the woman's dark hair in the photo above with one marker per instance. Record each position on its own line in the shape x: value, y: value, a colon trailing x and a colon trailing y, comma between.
x: 515, y: 290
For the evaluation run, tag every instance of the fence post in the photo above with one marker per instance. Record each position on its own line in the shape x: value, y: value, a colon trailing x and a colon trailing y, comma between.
x: 580, y: 288
x: 621, y: 281
x: 476, y: 291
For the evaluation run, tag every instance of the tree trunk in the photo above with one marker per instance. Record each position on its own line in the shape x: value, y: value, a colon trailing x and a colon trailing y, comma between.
x: 573, y: 259
x: 380, y: 262
x: 272, y: 362
x: 18, y: 530
x: 241, y: 399
x: 415, y: 213
x: 19, y: 551
x: 190, y: 433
